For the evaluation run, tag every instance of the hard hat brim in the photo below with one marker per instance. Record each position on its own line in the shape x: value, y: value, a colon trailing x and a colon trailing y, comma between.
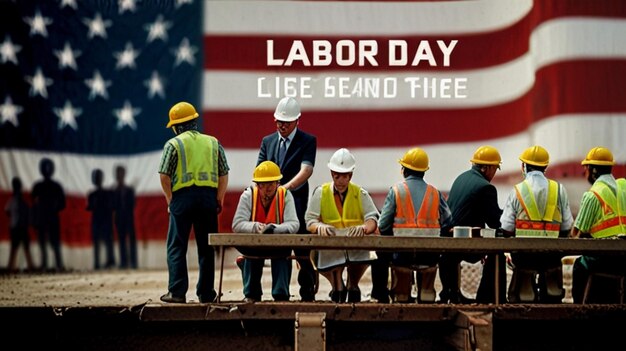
x: 285, y: 118
x: 267, y: 179
x: 182, y: 120
x: 598, y: 163
x: 341, y: 170
x: 533, y: 163
x: 482, y: 162
x: 406, y: 165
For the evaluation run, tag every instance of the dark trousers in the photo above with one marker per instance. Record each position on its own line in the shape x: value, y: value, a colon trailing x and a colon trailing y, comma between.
x: 281, y: 277
x: 192, y: 207
x: 102, y: 235
x: 128, y: 243
x: 380, y: 276
x: 608, y: 290
x: 449, y: 275
x: 49, y: 232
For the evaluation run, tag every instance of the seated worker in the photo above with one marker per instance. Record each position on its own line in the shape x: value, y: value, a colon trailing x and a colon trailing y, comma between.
x: 342, y: 208
x: 601, y: 216
x: 266, y: 208
x: 411, y: 204
x: 536, y: 207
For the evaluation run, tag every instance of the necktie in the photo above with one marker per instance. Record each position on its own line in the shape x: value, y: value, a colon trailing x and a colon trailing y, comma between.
x: 282, y: 150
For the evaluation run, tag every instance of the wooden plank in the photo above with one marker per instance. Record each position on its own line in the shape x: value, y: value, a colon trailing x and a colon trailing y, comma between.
x: 439, y: 244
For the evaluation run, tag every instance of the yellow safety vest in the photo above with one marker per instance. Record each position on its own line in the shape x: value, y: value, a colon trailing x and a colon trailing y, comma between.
x: 352, y: 208
x: 276, y: 211
x: 428, y: 216
x: 613, y: 221
x: 530, y: 223
x: 197, y: 160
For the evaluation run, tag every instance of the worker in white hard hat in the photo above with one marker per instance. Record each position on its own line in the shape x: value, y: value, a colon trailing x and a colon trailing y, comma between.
x: 194, y: 176
x: 341, y: 207
x: 294, y: 151
x: 536, y: 207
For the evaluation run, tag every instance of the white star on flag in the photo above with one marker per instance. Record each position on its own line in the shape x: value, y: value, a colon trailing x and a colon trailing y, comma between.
x: 126, y: 116
x: 98, y: 86
x: 97, y: 27
x: 127, y: 5
x: 67, y: 115
x: 67, y: 56
x: 155, y: 85
x: 9, y: 112
x: 158, y: 29
x: 38, y: 84
x: 38, y: 24
x: 70, y: 3
x: 127, y: 57
x: 185, y: 53
x: 9, y: 51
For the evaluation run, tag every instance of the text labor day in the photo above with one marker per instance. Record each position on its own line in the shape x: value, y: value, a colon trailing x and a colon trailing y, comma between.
x: 362, y: 53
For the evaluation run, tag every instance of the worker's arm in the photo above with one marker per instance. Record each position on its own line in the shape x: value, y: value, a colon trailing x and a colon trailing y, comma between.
x: 306, y: 170
x: 222, y: 184
x: 166, y: 185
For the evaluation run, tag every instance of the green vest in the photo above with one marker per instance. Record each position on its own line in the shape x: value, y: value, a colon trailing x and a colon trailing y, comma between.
x: 197, y: 160
x: 613, y: 221
x: 531, y: 223
x: 352, y: 208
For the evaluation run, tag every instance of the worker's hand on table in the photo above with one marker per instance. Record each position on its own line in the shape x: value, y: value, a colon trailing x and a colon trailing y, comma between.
x: 325, y: 230
x: 356, y: 231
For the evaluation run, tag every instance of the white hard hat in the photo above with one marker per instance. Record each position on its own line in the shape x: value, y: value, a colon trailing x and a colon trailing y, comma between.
x: 342, y: 161
x: 287, y: 110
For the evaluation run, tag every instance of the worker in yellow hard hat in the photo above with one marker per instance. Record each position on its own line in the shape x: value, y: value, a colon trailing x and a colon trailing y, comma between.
x: 411, y: 205
x: 266, y: 207
x: 343, y: 208
x: 473, y: 201
x: 602, y: 214
x: 536, y: 207
x: 194, y: 176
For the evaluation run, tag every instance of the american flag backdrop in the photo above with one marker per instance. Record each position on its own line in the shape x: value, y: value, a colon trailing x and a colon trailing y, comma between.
x: 89, y: 84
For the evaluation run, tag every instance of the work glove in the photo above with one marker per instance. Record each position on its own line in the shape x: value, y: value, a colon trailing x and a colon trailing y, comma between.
x: 269, y: 229
x: 358, y: 230
x: 280, y: 229
x: 259, y: 227
x: 325, y: 230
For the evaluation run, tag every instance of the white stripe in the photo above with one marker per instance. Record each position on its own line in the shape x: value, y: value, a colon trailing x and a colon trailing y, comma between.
x: 480, y: 87
x: 361, y: 18
x: 578, y: 38
x: 567, y: 138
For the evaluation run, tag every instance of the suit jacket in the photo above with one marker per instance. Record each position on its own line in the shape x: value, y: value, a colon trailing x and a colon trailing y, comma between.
x: 302, y: 148
x: 473, y: 201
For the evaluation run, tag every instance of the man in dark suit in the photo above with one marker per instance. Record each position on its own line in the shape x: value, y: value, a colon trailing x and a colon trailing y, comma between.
x: 294, y: 151
x: 473, y: 201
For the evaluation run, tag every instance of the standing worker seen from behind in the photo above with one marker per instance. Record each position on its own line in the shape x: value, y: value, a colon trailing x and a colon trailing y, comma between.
x: 473, y: 201
x: 194, y: 177
x: 602, y: 215
x: 124, y: 207
x: 411, y: 204
x: 294, y: 152
x: 100, y: 204
x: 48, y: 201
x: 266, y: 208
x: 17, y: 210
x: 343, y: 208
x: 536, y: 207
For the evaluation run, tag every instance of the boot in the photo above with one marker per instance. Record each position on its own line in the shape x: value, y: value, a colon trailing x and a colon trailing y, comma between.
x: 426, y: 285
x: 554, y: 291
x: 522, y: 287
x: 402, y: 286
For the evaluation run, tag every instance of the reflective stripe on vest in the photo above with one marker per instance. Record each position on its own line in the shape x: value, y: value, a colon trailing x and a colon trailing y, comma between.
x: 428, y: 216
x: 276, y: 211
x: 530, y: 223
x: 613, y: 221
x: 197, y: 160
x: 352, y: 213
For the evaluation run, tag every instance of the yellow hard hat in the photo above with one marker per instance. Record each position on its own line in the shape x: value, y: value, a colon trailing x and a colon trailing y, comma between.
x: 415, y: 159
x: 182, y: 112
x: 536, y: 156
x: 599, y: 156
x: 487, y: 155
x: 266, y: 171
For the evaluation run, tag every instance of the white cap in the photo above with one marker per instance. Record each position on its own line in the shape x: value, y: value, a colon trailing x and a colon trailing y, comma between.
x: 287, y: 110
x: 342, y: 161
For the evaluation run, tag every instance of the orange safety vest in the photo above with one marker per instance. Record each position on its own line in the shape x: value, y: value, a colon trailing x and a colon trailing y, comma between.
x: 275, y: 212
x: 428, y: 215
x: 530, y: 223
x: 613, y: 221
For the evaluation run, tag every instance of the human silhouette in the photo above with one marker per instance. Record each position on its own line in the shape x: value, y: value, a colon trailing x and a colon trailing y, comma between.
x: 48, y: 201
x: 124, y: 209
x: 100, y: 203
x: 17, y: 210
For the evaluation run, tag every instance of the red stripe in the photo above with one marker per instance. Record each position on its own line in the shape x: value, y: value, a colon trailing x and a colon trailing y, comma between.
x: 563, y: 88
x: 249, y: 52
